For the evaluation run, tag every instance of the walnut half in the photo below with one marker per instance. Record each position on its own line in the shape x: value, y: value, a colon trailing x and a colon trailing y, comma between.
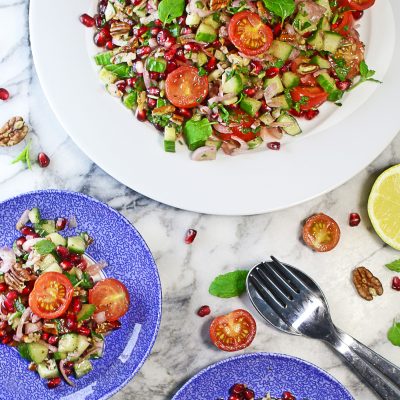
x: 13, y: 131
x: 366, y: 283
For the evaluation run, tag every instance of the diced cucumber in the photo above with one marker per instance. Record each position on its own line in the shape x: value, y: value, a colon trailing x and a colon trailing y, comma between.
x: 250, y: 105
x: 316, y: 40
x: 82, y: 345
x: 206, y: 33
x: 329, y: 85
x: 219, y: 55
x: 274, y: 82
x: 213, y: 21
x: 192, y: 19
x: 267, y: 118
x: 58, y: 355
x: 37, y: 352
x: 324, y: 24
x: 280, y: 50
x: 86, y: 312
x: 332, y: 41
x: 76, y: 244
x: 214, y: 143
x: 48, y: 369
x: 254, y: 142
x: 321, y: 62
x: 57, y: 239
x: 23, y: 350
x: 48, y: 260
x: 196, y: 133
x: 201, y: 59
x: 34, y: 215
x: 302, y: 23
x: 45, y: 227
x: 281, y: 102
x: 110, y: 12
x: 293, y: 127
x: 327, y: 6
x: 169, y: 139
x: 228, y: 102
x: 290, y: 80
x: 233, y: 85
x: 130, y: 100
x: 68, y: 343
x: 156, y: 64
x: 53, y: 268
x: 213, y: 76
x: 82, y: 368
x: 107, y: 77
x: 103, y: 58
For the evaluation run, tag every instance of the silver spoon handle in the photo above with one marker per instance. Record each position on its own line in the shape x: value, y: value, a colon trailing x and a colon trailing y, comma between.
x: 388, y: 369
x: 370, y: 375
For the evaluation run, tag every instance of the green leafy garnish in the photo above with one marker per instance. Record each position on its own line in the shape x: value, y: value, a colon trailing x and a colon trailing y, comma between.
x: 86, y: 282
x: 23, y: 349
x: 341, y: 68
x: 281, y: 8
x: 44, y: 246
x: 122, y: 70
x: 168, y: 10
x: 72, y: 278
x: 24, y: 156
x: 394, y: 266
x: 394, y: 334
x: 366, y: 75
x: 19, y: 306
x: 228, y: 285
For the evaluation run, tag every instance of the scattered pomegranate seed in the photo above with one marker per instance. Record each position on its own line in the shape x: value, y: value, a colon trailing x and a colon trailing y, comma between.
x: 256, y: 67
x: 162, y: 76
x: 274, y: 145
x: 354, y: 219
x: 66, y: 265
x: 43, y: 160
x: 162, y: 37
x: 82, y: 265
x: 191, y: 46
x: 9, y: 305
x: 203, y: 311
x: 33, y: 235
x: 235, y: 397
x: 271, y: 72
x: 249, y: 92
x: 264, y: 106
x: 102, y: 6
x: 211, y: 64
x: 171, y: 66
x: 4, y: 94
x: 216, y: 43
x: 26, y: 290
x: 286, y: 66
x: 12, y: 295
x: 357, y: 14
x: 3, y: 287
x: 288, y: 396
x: 3, y: 325
x: 121, y: 86
x: 76, y: 304
x: 62, y: 251
x: 83, y: 330
x: 75, y: 259
x: 7, y: 339
x: 71, y: 325
x: 190, y: 236
x: 53, y: 383
x: 310, y: 114
x: 158, y: 22
x: 169, y: 42
x: 151, y: 103
x: 20, y: 241
x: 154, y: 31
x: 277, y: 30
x: 153, y: 91
x: 110, y: 45
x: 396, y: 283
x: 186, y: 31
x: 180, y: 55
x: 131, y: 82
x: 102, y: 37
x: 27, y: 230
x: 237, y: 388
x: 98, y: 21
x: 343, y: 85
x: 170, y: 54
x: 181, y: 20
x: 143, y: 51
x: 153, y: 75
x: 184, y: 112
x: 141, y: 31
x: 61, y: 223
x: 45, y: 336
x: 53, y: 340
x: 87, y: 20
x: 248, y: 394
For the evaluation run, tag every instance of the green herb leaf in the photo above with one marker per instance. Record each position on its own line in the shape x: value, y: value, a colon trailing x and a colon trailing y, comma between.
x: 122, y: 70
x: 394, y: 266
x: 72, y: 278
x: 23, y: 349
x: 228, y: 285
x: 341, y: 68
x: 44, y: 246
x: 19, y: 306
x: 281, y: 8
x: 168, y: 10
x: 366, y: 75
x: 86, y: 282
x: 24, y: 156
x: 394, y: 334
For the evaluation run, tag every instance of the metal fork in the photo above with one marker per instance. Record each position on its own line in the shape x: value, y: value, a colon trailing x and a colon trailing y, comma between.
x: 291, y: 301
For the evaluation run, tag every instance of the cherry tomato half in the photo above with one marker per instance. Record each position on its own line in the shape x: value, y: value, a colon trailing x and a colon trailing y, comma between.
x: 315, y: 95
x: 185, y: 88
x: 321, y: 233
x: 233, y: 331
x: 345, y: 24
x: 51, y: 295
x: 249, y: 34
x: 110, y: 295
x: 352, y: 51
x: 359, y: 5
x: 242, y: 131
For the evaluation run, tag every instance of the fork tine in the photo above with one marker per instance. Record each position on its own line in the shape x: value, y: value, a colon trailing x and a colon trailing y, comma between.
x: 282, y: 269
x: 279, y: 281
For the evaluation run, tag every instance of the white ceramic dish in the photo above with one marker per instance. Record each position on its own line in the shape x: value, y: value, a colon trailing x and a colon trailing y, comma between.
x: 333, y: 148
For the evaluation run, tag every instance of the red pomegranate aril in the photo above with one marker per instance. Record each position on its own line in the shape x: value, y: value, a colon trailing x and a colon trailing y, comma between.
x: 249, y: 92
x: 53, y: 383
x: 45, y: 336
x: 154, y: 31
x: 141, y: 31
x: 184, y: 112
x: 296, y: 113
x: 354, y: 219
x: 162, y: 37
x: 61, y: 223
x: 121, y: 86
x: 102, y: 6
x: 33, y: 235
x: 83, y: 330
x: 87, y: 20
x: 4, y: 94
x: 190, y: 236
x: 12, y: 295
x: 211, y: 64
x: 7, y: 339
x: 141, y: 115
x: 153, y: 91
x: 191, y: 46
x: 277, y: 30
x: 43, y: 160
x: 180, y: 55
x: 274, y: 145
x: 3, y: 287
x: 181, y: 20
x: 110, y: 45
x: 203, y: 311
x: 20, y: 241
x: 27, y: 230
x: 9, y: 305
x: 162, y: 76
x: 171, y: 66
x: 311, y: 114
x: 62, y: 251
x: 71, y: 325
x: 98, y: 20
x: 287, y: 396
x: 153, y: 75
x: 265, y: 107
x: 158, y: 23
x: 396, y: 283
x: 76, y: 304
x: 186, y: 31
x: 3, y: 325
x: 170, y: 54
x: 237, y: 388
x: 248, y: 394
x: 169, y: 42
x: 256, y: 67
x: 102, y: 37
x: 66, y: 265
x: 271, y: 72
x: 75, y: 259
x: 131, y: 82
x: 26, y: 290
x: 143, y: 51
x: 343, y: 85
x: 357, y: 14
x: 235, y: 397
x: 151, y: 103
x: 53, y: 340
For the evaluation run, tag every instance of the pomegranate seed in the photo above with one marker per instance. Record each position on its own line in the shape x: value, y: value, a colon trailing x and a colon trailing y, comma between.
x: 191, y: 46
x: 311, y: 114
x: 211, y: 64
x: 3, y: 325
x: 9, y: 305
x: 170, y: 54
x: 3, y: 287
x: 102, y: 6
x: 98, y: 20
x: 354, y: 219
x: 26, y: 290
x: 277, y: 30
x: 235, y: 397
x: 288, y: 396
x: 27, y: 230
x: 357, y: 14
x: 53, y: 383
x: 286, y: 67
x: 69, y: 364
x: 141, y: 115
x: 296, y: 113
x: 62, y: 251
x: 180, y: 55
x: 121, y: 85
x: 110, y: 45
x: 171, y: 66
x: 87, y: 20
x: 396, y: 283
x: 162, y: 37
x: 248, y: 394
x: 181, y: 20
x: 274, y: 145
x: 71, y: 325
x: 249, y: 91
x: 12, y: 295
x: 184, y: 112
x: 154, y: 31
x: 203, y: 311
x: 76, y: 305
x: 131, y: 82
x: 158, y: 22
x: 265, y: 107
x: 66, y: 265
x: 75, y: 259
x: 343, y: 85
x: 82, y: 265
x: 151, y: 103
x: 45, y: 336
x: 61, y: 223
x: 143, y: 51
x: 216, y: 43
x: 153, y: 75
x: 169, y: 42
x: 34, y: 235
x: 162, y: 76
x: 4, y: 94
x: 271, y: 72
x: 6, y: 340
x: 256, y: 67
x: 190, y: 236
x: 53, y: 340
x: 20, y: 241
x: 83, y: 330
x: 43, y: 160
x: 141, y: 31
x: 154, y: 91
x: 186, y: 31
x: 237, y: 388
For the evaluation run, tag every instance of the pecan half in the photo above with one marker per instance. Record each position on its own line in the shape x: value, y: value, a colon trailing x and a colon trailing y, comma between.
x: 16, y: 277
x: 164, y: 110
x: 13, y: 131
x: 218, y: 4
x: 119, y: 28
x: 366, y: 283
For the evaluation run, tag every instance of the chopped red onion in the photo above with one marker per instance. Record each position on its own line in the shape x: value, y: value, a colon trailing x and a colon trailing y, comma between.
x: 63, y: 373
x: 72, y: 221
x: 146, y: 78
x: 204, y: 153
x: 222, y: 128
x: 23, y: 219
x: 19, y: 332
x: 218, y: 99
x: 94, y: 269
x: 7, y: 259
x: 266, y: 133
x: 30, y: 327
x: 100, y: 317
x: 27, y: 246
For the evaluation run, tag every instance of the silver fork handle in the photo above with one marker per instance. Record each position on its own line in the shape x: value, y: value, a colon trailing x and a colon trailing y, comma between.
x: 370, y: 375
x: 388, y: 369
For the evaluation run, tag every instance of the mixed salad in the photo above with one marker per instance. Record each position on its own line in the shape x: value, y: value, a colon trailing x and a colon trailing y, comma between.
x: 228, y: 74
x: 240, y: 391
x: 55, y: 307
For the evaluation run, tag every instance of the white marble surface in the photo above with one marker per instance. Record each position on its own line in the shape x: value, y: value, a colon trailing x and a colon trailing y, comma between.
x: 222, y: 244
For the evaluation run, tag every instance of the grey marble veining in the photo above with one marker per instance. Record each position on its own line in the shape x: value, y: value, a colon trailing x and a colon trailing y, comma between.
x: 222, y: 243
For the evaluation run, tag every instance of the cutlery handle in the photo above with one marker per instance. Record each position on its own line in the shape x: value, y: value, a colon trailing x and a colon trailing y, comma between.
x: 370, y: 375
x: 388, y: 369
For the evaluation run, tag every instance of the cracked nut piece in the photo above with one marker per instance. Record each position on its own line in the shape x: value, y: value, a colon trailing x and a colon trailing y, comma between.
x: 366, y: 283
x: 218, y: 4
x: 13, y: 131
x: 119, y: 28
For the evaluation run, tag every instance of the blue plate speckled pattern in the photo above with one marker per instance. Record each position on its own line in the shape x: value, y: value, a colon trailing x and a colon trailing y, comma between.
x: 264, y: 372
x: 129, y: 260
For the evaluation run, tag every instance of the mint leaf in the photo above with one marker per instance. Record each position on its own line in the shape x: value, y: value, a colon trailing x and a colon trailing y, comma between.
x: 394, y: 266
x: 24, y: 156
x: 228, y: 285
x: 394, y: 334
x: 122, y: 70
x: 44, y: 246
x: 366, y: 75
x: 170, y: 9
x: 281, y: 8
x: 19, y: 306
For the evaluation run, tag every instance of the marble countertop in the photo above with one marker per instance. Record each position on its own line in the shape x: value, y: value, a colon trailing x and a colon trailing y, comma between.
x: 222, y: 243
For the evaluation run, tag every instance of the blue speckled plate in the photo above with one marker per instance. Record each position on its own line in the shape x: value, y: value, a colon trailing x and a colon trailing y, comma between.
x: 264, y: 372
x: 129, y: 260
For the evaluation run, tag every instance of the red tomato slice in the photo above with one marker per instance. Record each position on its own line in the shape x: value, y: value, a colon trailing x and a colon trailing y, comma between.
x: 233, y: 331
x: 345, y: 24
x: 110, y: 295
x: 185, y: 88
x: 321, y: 233
x: 245, y: 121
x: 51, y: 295
x: 359, y: 5
x: 249, y: 34
x: 316, y: 96
x: 352, y: 51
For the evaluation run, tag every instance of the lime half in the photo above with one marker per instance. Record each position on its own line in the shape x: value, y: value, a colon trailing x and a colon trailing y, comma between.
x: 384, y: 206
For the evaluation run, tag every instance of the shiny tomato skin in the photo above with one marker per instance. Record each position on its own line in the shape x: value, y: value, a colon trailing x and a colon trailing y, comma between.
x: 358, y: 5
x: 51, y: 295
x: 345, y: 24
x: 249, y: 34
x: 185, y: 88
x: 110, y: 295
x: 352, y: 52
x: 234, y: 331
x: 321, y: 233
x: 245, y: 121
x: 316, y: 96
